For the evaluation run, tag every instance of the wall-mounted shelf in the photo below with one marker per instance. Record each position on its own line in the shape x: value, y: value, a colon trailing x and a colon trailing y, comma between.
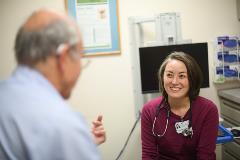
x: 227, y: 59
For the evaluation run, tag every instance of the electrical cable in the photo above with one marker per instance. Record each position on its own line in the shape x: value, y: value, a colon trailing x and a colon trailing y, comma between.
x: 134, y: 126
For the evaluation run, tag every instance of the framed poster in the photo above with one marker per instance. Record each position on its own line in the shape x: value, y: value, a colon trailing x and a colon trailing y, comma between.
x: 98, y: 21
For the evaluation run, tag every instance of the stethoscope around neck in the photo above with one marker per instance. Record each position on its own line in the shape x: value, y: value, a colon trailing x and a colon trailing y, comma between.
x: 187, y: 132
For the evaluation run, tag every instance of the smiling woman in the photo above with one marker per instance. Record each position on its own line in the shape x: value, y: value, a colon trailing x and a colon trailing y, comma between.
x: 151, y: 59
x: 176, y: 79
x: 173, y: 125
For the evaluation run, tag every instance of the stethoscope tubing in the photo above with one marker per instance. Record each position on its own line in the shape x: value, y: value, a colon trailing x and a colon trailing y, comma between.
x: 159, y: 107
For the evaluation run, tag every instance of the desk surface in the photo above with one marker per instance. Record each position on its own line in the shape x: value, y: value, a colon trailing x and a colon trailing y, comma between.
x: 231, y: 94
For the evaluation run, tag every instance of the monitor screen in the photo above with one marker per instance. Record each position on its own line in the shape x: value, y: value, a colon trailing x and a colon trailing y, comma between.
x: 152, y: 57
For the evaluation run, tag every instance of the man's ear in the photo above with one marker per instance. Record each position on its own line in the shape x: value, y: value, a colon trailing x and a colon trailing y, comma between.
x: 61, y: 48
x: 62, y: 54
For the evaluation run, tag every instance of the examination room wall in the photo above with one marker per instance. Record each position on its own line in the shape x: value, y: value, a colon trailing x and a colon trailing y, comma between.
x: 105, y: 86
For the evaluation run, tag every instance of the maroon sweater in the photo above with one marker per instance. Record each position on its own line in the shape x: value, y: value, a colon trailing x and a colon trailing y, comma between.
x: 174, y: 146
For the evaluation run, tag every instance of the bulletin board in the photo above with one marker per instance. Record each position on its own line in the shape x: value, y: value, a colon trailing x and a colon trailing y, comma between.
x: 99, y: 25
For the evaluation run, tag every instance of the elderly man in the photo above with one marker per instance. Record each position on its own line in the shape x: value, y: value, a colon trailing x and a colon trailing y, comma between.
x: 35, y: 121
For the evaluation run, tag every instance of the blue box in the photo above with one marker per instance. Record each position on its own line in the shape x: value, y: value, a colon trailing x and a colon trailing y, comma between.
x: 226, y: 135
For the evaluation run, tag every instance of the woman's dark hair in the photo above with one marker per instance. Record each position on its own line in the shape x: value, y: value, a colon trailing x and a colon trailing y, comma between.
x: 195, y: 76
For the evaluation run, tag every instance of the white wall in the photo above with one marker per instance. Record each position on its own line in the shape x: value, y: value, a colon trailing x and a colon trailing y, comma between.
x: 105, y: 86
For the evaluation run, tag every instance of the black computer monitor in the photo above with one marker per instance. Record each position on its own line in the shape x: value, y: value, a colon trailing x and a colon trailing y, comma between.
x: 152, y: 57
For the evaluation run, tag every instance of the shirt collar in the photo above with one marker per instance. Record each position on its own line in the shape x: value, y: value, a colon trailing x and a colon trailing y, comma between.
x: 24, y: 73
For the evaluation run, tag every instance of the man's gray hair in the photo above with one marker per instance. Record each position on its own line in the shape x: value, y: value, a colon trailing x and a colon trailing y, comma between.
x: 35, y: 45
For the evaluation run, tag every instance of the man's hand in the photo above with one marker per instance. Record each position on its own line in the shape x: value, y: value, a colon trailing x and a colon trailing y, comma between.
x: 98, y: 131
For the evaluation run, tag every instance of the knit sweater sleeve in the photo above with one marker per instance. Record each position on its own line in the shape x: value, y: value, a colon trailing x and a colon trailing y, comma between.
x: 149, y: 147
x: 208, y: 134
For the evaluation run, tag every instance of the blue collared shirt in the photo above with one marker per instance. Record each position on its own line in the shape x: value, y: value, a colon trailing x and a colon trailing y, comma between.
x: 37, y: 124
